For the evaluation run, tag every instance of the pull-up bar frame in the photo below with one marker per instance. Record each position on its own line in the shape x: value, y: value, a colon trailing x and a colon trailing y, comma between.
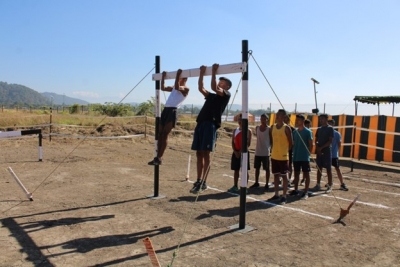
x: 222, y: 69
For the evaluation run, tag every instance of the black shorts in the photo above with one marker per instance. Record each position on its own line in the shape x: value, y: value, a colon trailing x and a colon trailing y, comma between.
x: 236, y: 163
x: 261, y: 159
x: 168, y: 115
x: 279, y: 166
x: 205, y: 136
x: 324, y: 160
x: 304, y: 166
x: 335, y: 162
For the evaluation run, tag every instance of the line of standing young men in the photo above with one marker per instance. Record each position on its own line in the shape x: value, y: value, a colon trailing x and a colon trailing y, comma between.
x: 281, y: 143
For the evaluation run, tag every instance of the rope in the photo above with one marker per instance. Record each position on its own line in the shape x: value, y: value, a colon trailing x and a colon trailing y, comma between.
x: 319, y: 169
x: 84, y: 138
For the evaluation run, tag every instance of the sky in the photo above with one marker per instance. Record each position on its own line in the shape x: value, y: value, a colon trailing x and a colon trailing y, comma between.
x: 98, y: 50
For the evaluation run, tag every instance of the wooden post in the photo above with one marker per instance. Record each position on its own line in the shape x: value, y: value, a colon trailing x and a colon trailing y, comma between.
x: 145, y: 126
x: 353, y: 133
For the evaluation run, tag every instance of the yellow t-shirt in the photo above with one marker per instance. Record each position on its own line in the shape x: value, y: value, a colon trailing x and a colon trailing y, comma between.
x: 280, y: 143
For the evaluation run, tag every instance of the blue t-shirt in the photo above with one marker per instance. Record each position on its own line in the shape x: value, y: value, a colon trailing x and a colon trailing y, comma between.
x: 337, y: 137
x: 300, y: 147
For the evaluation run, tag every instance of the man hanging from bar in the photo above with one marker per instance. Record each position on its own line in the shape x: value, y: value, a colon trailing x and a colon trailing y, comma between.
x: 208, y: 121
x: 169, y: 114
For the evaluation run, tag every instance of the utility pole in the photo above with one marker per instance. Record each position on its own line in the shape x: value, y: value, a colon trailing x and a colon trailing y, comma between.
x: 315, y: 110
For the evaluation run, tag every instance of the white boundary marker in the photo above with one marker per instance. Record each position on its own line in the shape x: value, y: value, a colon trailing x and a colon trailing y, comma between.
x: 273, y: 204
x: 222, y: 69
x: 28, y: 195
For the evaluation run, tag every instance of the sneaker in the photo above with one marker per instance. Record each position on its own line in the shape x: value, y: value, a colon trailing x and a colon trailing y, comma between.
x: 329, y: 189
x: 316, y: 188
x: 343, y: 187
x: 326, y: 185
x: 202, y: 187
x: 255, y: 185
x: 282, y: 201
x: 302, y: 181
x: 234, y: 189
x: 266, y: 187
x: 294, y: 193
x: 304, y: 196
x: 195, y: 188
x: 275, y: 197
x: 155, y: 161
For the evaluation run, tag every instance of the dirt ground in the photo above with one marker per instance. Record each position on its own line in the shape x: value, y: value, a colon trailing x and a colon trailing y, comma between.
x: 90, y: 209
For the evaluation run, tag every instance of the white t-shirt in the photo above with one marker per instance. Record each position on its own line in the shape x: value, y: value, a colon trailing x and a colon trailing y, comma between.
x: 175, y: 99
x: 263, y: 146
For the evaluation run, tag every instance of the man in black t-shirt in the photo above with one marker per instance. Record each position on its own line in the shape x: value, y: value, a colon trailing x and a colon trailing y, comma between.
x: 208, y: 121
x: 323, y: 140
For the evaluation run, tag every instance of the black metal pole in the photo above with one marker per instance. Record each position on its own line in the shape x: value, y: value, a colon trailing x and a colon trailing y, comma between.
x: 40, y: 146
x: 245, y: 127
x: 156, y: 167
x: 51, y: 122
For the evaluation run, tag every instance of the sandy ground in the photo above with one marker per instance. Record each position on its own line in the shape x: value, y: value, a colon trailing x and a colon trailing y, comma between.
x: 90, y: 209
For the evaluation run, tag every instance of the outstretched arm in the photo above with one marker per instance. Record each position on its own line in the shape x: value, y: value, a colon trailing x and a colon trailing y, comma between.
x: 201, y: 84
x: 178, y: 74
x: 163, y: 88
x: 214, y: 85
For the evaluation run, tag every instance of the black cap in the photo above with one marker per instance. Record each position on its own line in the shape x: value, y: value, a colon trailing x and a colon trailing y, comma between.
x: 226, y: 80
x: 300, y: 116
x: 323, y: 115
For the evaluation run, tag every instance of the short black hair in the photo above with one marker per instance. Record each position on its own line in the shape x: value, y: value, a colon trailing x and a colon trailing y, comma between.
x: 331, y: 121
x: 300, y: 116
x: 307, y: 121
x: 282, y: 111
x: 265, y: 115
x: 323, y: 115
x: 226, y: 80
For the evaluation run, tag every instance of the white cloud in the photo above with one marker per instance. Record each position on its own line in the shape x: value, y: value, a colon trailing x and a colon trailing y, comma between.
x: 86, y: 94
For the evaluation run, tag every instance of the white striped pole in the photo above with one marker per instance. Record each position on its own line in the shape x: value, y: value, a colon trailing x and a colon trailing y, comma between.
x: 245, y: 127
x: 28, y: 195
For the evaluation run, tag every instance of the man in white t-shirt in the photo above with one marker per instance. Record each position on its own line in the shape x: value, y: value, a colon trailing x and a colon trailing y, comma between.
x: 262, y: 152
x: 169, y: 114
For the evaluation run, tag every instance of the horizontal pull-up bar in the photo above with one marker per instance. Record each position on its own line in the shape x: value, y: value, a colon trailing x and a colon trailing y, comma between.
x: 222, y: 69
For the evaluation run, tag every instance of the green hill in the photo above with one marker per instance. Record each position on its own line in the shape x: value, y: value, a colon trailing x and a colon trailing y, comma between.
x: 19, y: 95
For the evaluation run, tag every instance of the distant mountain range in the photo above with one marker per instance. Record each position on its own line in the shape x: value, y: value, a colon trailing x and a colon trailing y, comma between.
x: 63, y: 99
x: 20, y: 95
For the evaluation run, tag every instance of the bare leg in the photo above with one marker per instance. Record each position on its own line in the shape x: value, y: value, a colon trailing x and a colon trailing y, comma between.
x: 257, y: 174
x: 319, y: 175
x: 306, y: 176
x: 206, y: 164
x: 200, y: 164
x: 339, y: 174
x: 235, y: 178
x: 267, y: 175
x: 285, y: 184
x: 296, y: 180
x: 329, y: 177
x: 163, y: 139
x: 276, y: 184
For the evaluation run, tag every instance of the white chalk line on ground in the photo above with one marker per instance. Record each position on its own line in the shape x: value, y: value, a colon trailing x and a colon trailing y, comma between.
x: 272, y: 204
x: 375, y: 205
x: 380, y: 206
